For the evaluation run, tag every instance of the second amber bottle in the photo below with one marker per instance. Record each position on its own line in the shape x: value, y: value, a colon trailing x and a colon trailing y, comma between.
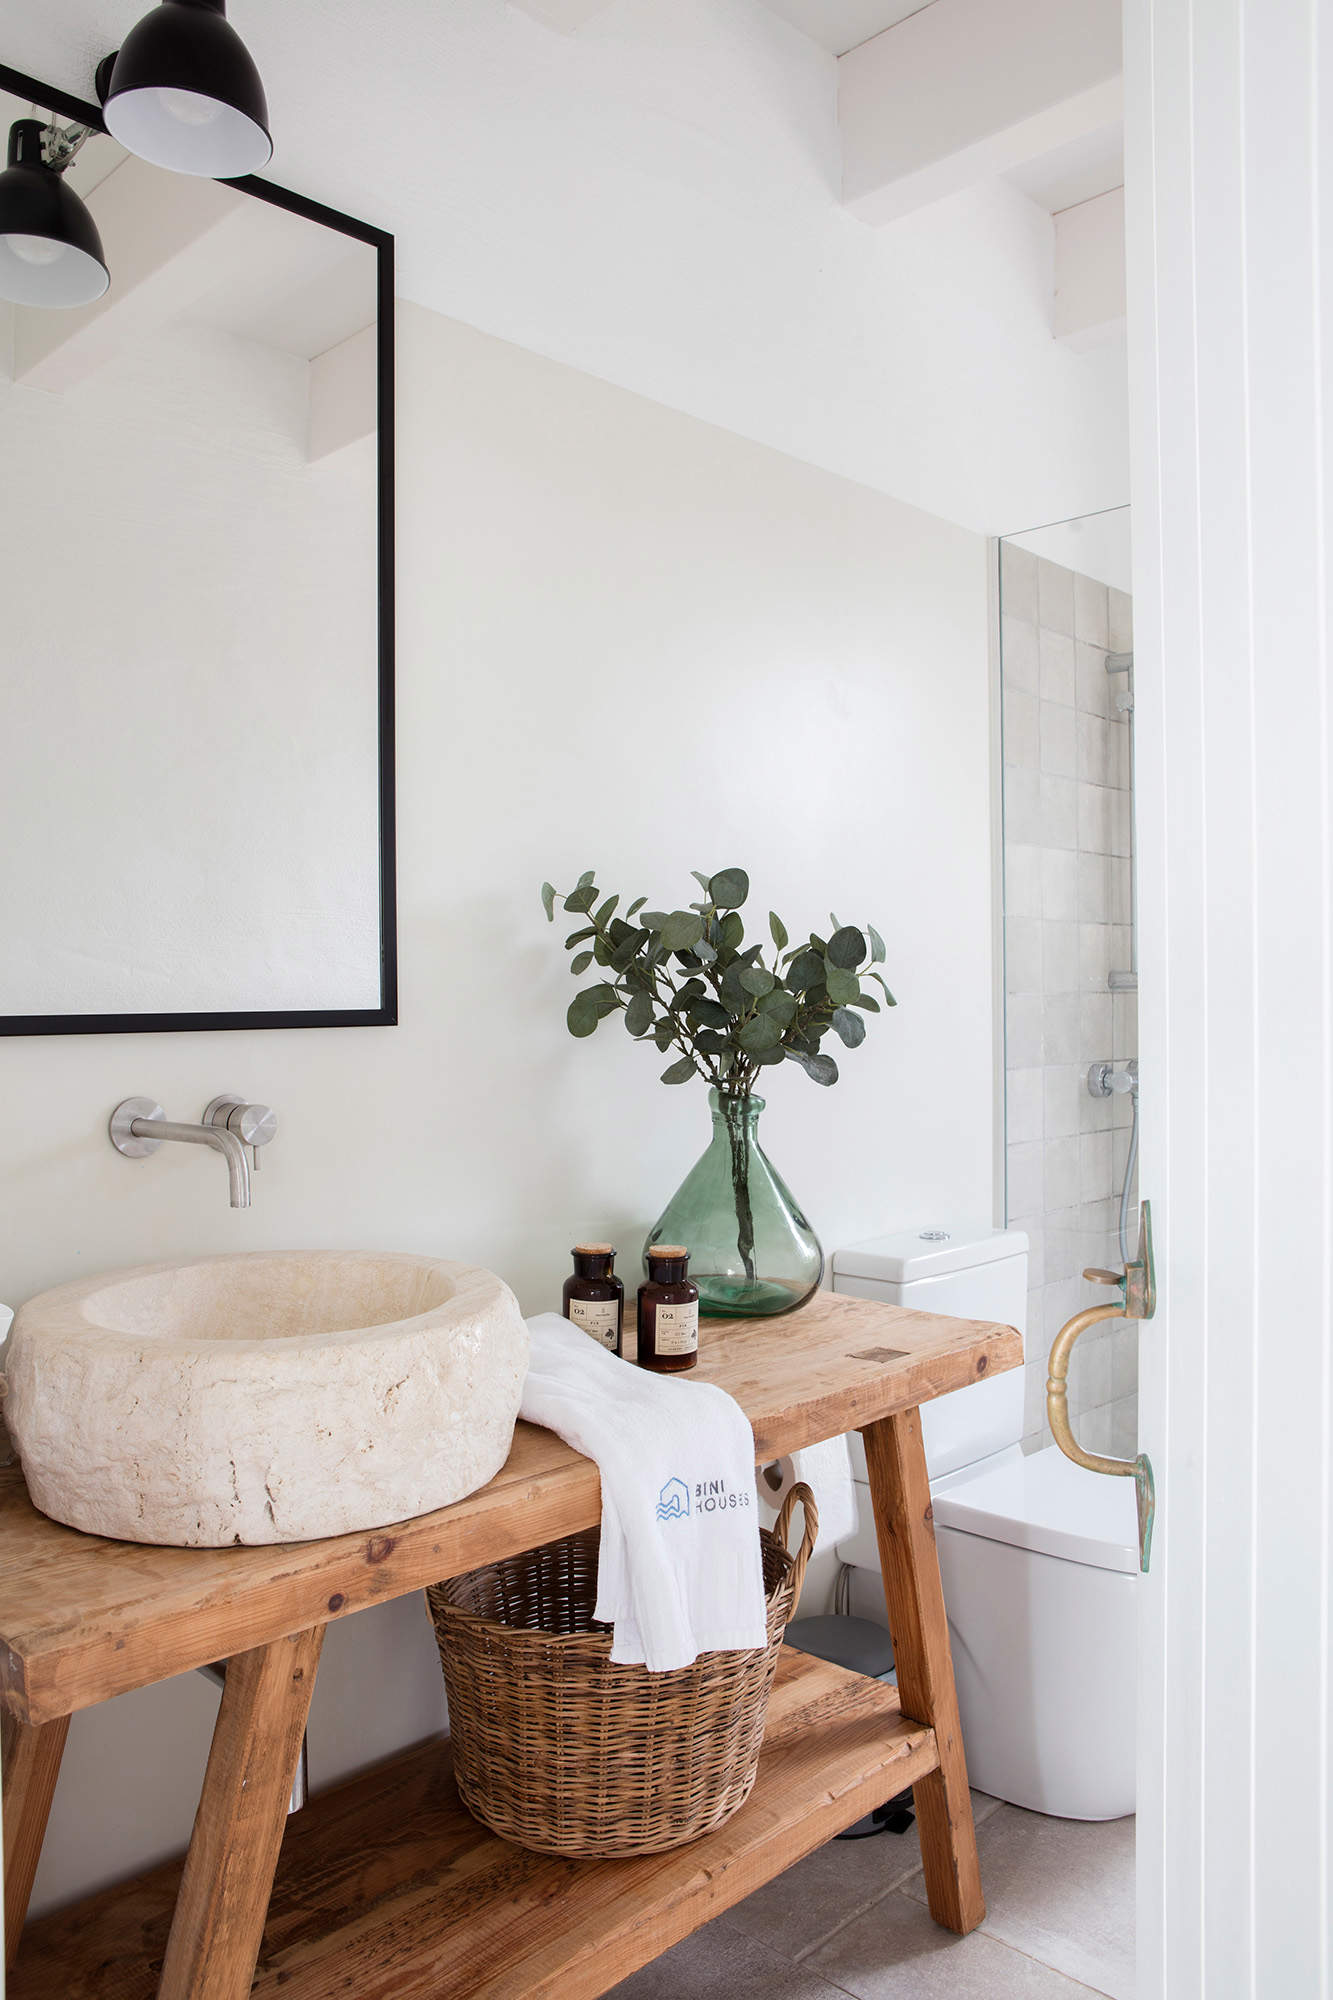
x: 668, y: 1312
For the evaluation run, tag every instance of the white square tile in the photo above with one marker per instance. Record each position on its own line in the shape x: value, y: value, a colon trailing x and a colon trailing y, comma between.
x: 1090, y: 610
x: 1023, y: 820
x: 1095, y: 1114
x: 1117, y: 752
x: 1094, y: 897
x: 1023, y: 1030
x: 1018, y: 654
x: 1119, y: 870
x: 1060, y: 961
x: 1059, y: 811
x: 896, y: 1951
x: 1018, y: 582
x: 1125, y: 1360
x: 1121, y: 823
x: 1095, y: 951
x: 1060, y: 1032
x: 1059, y: 884
x: 1023, y: 1115
x: 1059, y: 1303
x: 1095, y: 1166
x: 1094, y: 819
x: 1122, y: 947
x: 1055, y: 660
x: 1063, y: 1236
x: 1059, y: 743
x: 1094, y: 749
x: 1025, y: 1179
x: 1055, y: 597
x: 1095, y: 1018
x: 1092, y: 683
x: 1022, y: 880
x: 1060, y: 1093
x: 1022, y: 742
x: 1120, y: 621
x: 1125, y: 1028
x: 1061, y: 1174
x: 1022, y: 955
x: 1119, y: 1158
x: 1034, y: 1384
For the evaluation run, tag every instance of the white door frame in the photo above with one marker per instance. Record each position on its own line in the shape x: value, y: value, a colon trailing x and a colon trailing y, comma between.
x: 1229, y: 180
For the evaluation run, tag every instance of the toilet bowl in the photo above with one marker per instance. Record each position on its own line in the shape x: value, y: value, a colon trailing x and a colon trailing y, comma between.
x: 1038, y: 1559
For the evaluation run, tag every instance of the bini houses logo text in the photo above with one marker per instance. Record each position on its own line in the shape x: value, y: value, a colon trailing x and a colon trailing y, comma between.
x: 673, y: 1502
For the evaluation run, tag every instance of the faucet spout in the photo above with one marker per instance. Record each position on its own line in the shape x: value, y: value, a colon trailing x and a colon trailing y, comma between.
x: 217, y: 1138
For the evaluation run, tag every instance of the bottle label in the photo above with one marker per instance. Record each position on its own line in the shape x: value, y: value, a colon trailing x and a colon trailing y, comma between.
x: 599, y: 1317
x: 678, y: 1328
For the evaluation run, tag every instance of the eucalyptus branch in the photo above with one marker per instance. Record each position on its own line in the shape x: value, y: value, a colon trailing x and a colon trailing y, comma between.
x: 687, y: 980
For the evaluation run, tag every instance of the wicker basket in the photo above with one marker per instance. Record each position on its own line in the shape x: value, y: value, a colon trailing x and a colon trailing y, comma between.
x: 557, y: 1749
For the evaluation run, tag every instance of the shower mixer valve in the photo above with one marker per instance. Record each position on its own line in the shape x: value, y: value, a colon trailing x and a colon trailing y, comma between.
x: 1105, y: 1080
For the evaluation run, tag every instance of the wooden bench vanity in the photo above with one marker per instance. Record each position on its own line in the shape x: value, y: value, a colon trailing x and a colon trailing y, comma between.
x: 384, y: 1888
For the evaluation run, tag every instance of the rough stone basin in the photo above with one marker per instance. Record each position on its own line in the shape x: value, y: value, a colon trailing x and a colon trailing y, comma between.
x: 268, y: 1398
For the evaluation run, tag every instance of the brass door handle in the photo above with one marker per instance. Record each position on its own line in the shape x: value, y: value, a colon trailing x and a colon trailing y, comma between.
x: 1138, y: 1299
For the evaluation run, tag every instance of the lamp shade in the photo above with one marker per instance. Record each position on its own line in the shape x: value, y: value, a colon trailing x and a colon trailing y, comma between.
x: 183, y: 92
x: 50, y: 251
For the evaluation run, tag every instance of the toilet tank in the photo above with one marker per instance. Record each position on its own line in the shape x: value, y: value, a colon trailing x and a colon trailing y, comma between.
x: 970, y: 1270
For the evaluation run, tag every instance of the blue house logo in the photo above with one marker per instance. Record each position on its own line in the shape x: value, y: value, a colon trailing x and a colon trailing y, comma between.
x: 673, y: 1502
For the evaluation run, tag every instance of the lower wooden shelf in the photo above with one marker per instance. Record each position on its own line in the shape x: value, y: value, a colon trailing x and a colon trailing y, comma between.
x: 388, y: 1890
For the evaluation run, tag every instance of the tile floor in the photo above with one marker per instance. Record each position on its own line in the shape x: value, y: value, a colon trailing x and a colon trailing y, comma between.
x: 851, y: 1919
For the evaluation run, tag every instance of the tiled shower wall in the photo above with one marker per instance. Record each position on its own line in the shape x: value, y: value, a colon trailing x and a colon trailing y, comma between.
x: 1067, y: 871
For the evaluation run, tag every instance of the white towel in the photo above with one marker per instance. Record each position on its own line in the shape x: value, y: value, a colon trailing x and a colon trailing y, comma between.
x: 679, y: 1568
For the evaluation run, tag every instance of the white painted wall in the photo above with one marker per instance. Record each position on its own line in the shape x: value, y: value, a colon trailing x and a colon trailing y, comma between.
x: 656, y: 199
x: 626, y: 639
x: 1229, y: 179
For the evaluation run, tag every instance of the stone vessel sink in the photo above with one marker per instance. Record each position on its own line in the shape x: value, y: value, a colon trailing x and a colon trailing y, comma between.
x: 267, y: 1398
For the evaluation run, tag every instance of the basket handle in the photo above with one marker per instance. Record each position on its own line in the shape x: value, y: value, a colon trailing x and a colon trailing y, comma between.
x: 810, y: 1523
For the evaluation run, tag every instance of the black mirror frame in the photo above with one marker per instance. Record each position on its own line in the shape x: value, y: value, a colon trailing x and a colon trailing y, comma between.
x: 386, y: 1014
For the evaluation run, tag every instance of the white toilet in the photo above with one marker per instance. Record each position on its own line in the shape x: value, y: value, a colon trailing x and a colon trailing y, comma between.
x: 1039, y: 1559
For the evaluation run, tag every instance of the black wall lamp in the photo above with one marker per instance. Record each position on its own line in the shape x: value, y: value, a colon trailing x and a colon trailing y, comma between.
x: 183, y: 92
x: 50, y: 251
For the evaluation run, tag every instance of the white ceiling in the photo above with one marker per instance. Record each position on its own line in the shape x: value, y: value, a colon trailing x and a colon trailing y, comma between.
x: 839, y: 25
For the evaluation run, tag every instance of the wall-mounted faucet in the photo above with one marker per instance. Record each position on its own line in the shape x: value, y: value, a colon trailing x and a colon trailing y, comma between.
x: 139, y: 1126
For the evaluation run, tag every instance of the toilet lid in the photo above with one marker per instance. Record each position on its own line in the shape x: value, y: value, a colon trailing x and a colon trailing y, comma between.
x: 1047, y: 1503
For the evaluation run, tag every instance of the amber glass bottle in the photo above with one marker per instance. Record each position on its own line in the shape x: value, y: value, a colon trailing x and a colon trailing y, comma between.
x: 668, y: 1312
x: 594, y: 1296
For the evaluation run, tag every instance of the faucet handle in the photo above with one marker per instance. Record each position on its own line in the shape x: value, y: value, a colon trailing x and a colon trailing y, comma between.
x: 254, y: 1124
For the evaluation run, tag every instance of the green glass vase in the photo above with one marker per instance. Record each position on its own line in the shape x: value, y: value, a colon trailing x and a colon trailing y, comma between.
x: 752, y: 1252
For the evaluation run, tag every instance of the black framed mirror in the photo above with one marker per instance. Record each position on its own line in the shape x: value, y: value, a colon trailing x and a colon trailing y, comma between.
x: 197, y: 608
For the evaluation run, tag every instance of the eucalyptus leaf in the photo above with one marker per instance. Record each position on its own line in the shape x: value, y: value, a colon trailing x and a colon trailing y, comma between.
x: 806, y: 970
x: 639, y: 1014
x: 635, y: 907
x: 586, y: 1009
x: 580, y: 937
x: 768, y: 1056
x: 710, y: 1043
x: 779, y: 1005
x: 664, y: 1034
x: 760, y: 1032
x: 548, y: 902
x: 708, y: 1014
x: 778, y: 930
x: 846, y: 948
x: 877, y: 953
x: 582, y: 898
x: 653, y: 920
x: 588, y: 876
x: 578, y: 966
x: 682, y: 930
x: 703, y: 881
x: 820, y: 1069
x: 756, y: 980
x: 730, y: 932
x: 842, y: 986
x: 729, y: 888
x: 867, y: 1001
x: 703, y: 950
x: 607, y: 911
x: 883, y: 988
x: 849, y: 1028
x: 680, y: 1072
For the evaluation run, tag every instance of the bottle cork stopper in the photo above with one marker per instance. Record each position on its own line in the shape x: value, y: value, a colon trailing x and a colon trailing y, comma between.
x: 668, y: 1250
x: 593, y: 1250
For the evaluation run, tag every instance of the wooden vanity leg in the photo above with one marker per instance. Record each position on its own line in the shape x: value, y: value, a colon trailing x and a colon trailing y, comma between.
x: 900, y: 1494
x: 30, y: 1753
x: 223, y: 1901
